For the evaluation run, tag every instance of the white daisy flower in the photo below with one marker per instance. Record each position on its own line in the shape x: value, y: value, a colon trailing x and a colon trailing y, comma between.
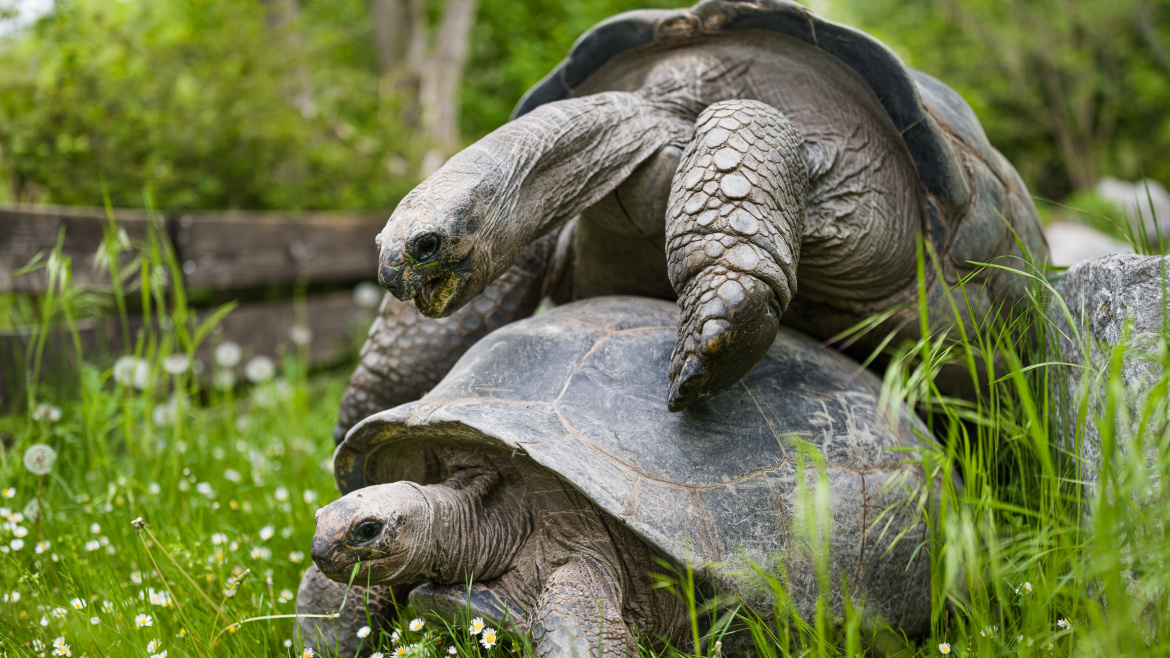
x: 92, y: 545
x: 488, y: 638
x: 266, y: 532
x: 59, y: 613
x: 1064, y: 623
x: 944, y: 648
x: 363, y: 632
x: 95, y: 528
x: 377, y: 654
x: 296, y: 557
x: 260, y: 553
x: 232, y: 475
x: 39, y: 459
x: 161, y: 654
x: 59, y: 642
x: 20, y: 532
x: 143, y: 620
x: 16, y: 544
x: 42, y: 546
x: 228, y: 354
x: 9, y: 492
x: 309, y: 495
x: 136, y: 577
x: 307, y: 653
x: 416, y: 625
x: 153, y: 489
x: 401, y: 652
x: 95, y: 620
x: 78, y: 603
x: 451, y: 650
x: 285, y: 596
x: 107, y: 606
x: 281, y: 493
x: 476, y: 626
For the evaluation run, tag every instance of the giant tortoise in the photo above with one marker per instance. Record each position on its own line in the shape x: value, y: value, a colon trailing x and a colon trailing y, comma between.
x: 720, y: 155
x: 546, y: 468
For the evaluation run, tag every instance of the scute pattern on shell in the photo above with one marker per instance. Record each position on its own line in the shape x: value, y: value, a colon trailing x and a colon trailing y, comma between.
x: 580, y: 389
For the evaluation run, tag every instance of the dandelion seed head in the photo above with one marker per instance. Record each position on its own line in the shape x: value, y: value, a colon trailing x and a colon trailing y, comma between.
x: 39, y: 459
x: 260, y: 369
x: 228, y: 354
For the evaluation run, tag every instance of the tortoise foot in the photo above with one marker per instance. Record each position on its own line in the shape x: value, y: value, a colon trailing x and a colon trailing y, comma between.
x: 728, y: 322
x: 365, y: 606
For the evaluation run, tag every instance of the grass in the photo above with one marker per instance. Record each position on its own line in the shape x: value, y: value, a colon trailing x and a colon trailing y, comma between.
x: 1026, y: 560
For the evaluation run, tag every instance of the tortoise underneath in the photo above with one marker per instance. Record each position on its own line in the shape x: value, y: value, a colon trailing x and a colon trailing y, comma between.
x: 547, y: 468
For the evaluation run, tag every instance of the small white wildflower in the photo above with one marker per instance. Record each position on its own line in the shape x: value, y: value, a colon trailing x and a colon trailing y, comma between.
x: 944, y: 648
x: 59, y: 613
x: 13, y: 597
x: 488, y: 638
x: 309, y: 495
x: 224, y: 380
x: 131, y: 371
x: 259, y: 369
x: 988, y: 631
x: 20, y: 532
x: 95, y: 528
x: 476, y: 626
x: 78, y: 603
x: 451, y: 650
x: 266, y: 532
x: 153, y: 645
x: 260, y: 553
x: 377, y: 654
x: 218, y: 538
x: 416, y: 625
x: 42, y: 546
x: 8, y: 492
x: 92, y: 545
x: 16, y: 544
x: 143, y: 620
x: 39, y: 459
x: 107, y: 606
x: 153, y: 489
x: 205, y: 489
x: 46, y: 413
x: 1064, y: 623
x: 281, y: 493
x: 136, y: 577
x: 307, y: 653
x: 285, y: 596
x: 162, y: 654
x: 394, y: 637
x: 400, y: 652
x: 176, y: 364
x: 232, y: 475
x: 95, y: 620
x: 363, y: 632
x: 228, y: 354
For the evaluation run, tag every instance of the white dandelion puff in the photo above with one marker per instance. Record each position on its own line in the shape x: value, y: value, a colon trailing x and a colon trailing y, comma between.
x: 153, y: 489
x: 259, y: 369
x: 132, y: 371
x: 39, y: 459
x: 176, y: 364
x: 228, y: 354
x: 300, y: 334
x: 367, y: 294
x: 46, y: 413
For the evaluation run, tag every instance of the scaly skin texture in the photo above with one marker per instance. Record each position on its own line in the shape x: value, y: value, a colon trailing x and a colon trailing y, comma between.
x: 734, y: 228
x: 579, y: 578
x: 406, y: 354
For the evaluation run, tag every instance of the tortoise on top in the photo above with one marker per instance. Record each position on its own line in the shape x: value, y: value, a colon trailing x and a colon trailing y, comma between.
x: 750, y: 159
x: 547, y: 469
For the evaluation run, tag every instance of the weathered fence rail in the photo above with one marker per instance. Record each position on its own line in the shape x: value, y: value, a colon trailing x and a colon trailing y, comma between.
x: 253, y: 255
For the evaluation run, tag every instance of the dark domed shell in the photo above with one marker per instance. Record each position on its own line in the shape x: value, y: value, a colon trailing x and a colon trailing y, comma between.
x: 581, y: 390
x: 890, y: 80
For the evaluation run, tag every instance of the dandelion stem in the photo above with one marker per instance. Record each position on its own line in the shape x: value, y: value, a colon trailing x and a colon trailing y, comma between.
x: 175, y: 599
x: 215, y: 640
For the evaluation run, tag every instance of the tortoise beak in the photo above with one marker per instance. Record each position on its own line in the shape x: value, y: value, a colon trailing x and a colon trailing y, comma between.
x: 391, y: 267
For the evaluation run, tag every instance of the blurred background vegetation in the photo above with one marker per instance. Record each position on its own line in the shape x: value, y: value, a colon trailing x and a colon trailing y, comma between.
x: 346, y: 104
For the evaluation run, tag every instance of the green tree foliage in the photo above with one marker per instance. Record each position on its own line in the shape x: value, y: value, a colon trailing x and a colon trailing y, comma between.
x: 1069, y: 90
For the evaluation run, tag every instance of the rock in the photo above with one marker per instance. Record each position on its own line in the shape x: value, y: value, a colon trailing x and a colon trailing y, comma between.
x: 1118, y: 302
x: 1136, y: 199
x: 1070, y: 243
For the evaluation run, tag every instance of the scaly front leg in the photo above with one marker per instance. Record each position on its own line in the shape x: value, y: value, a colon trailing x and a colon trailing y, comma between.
x: 733, y: 229
x: 579, y: 614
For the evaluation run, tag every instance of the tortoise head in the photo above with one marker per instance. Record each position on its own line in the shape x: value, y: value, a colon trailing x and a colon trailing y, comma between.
x: 427, y: 251
x: 385, y: 527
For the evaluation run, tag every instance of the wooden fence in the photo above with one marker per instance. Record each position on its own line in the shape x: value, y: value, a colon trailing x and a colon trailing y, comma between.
x: 262, y: 257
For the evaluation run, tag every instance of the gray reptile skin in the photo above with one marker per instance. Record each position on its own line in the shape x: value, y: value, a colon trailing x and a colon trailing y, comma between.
x: 888, y: 155
x: 547, y: 468
x: 736, y: 215
x: 406, y: 354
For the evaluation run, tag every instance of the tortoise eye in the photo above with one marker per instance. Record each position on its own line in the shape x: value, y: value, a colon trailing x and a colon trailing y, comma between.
x: 365, y: 531
x: 426, y: 246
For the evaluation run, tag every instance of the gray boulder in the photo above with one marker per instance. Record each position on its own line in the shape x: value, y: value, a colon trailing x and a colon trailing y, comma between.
x: 1070, y: 243
x: 1115, y: 309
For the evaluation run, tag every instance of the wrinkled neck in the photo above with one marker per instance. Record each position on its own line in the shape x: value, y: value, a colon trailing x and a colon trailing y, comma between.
x: 478, y: 526
x: 550, y: 164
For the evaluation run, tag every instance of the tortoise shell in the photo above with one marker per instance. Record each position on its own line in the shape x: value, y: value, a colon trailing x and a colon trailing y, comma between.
x: 977, y: 199
x: 580, y: 390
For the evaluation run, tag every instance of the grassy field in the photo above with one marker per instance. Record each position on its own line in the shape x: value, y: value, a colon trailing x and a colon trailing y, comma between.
x: 225, y: 479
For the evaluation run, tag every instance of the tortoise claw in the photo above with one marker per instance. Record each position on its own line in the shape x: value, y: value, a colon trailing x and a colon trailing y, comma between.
x: 689, y: 385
